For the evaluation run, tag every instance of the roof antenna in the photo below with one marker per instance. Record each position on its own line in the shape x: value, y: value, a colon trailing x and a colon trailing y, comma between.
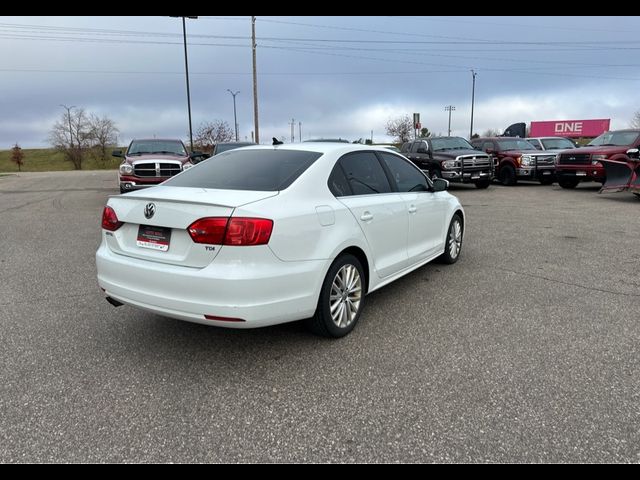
x: 276, y: 141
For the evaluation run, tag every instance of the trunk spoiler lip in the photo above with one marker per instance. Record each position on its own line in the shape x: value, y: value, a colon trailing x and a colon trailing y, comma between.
x: 192, y: 201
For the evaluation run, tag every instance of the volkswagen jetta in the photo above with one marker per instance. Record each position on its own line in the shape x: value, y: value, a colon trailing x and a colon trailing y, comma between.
x: 272, y: 234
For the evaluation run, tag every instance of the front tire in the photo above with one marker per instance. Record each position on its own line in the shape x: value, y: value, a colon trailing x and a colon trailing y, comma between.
x: 507, y: 176
x: 568, y: 182
x: 453, y: 245
x: 482, y: 184
x: 341, y: 298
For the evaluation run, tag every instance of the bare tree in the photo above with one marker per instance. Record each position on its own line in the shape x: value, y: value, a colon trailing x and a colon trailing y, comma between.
x: 210, y: 133
x: 491, y: 132
x: 635, y: 122
x: 71, y: 135
x: 17, y: 156
x: 103, y: 133
x: 400, y: 128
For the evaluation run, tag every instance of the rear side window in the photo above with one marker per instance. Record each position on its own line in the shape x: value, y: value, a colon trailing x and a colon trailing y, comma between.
x: 261, y: 170
x: 364, y: 173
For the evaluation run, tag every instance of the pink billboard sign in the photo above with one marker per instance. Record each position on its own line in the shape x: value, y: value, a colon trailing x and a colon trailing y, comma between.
x: 570, y: 128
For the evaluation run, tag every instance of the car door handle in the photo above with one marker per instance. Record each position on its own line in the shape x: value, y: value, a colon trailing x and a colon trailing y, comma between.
x: 366, y: 216
x: 413, y: 209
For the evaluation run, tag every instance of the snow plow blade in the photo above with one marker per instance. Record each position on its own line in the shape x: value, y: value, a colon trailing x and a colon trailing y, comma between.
x: 620, y: 175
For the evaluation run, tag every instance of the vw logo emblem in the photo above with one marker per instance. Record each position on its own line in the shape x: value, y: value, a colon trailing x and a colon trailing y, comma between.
x: 149, y: 210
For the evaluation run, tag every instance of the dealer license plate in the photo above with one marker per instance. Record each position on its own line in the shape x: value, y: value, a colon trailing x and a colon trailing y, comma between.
x: 155, y: 238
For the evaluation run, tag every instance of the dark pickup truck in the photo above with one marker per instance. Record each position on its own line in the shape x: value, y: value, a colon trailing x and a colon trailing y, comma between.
x: 451, y: 158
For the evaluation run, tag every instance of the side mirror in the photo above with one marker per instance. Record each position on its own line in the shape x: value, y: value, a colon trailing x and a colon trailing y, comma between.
x: 197, y: 157
x: 117, y: 153
x: 633, y: 153
x: 440, y: 185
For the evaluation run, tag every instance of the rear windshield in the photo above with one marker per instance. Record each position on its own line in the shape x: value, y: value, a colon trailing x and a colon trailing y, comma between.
x: 261, y: 170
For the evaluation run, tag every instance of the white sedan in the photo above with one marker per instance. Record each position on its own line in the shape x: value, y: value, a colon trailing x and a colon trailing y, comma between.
x: 271, y: 234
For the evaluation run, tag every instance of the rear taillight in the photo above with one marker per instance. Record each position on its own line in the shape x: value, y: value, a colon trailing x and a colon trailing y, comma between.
x: 237, y: 231
x: 110, y: 219
x: 248, y: 231
x: 208, y: 230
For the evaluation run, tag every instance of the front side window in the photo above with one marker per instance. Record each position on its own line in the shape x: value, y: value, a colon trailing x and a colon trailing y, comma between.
x: 364, y: 173
x: 407, y: 177
x: 255, y: 169
x: 487, y: 146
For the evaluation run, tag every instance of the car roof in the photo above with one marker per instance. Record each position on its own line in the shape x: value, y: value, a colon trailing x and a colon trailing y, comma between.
x: 321, y: 147
x: 156, y: 140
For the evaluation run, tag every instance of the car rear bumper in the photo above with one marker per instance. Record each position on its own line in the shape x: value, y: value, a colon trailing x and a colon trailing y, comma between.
x: 259, y: 291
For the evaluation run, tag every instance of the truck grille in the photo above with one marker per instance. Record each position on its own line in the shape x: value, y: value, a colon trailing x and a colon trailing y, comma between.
x: 475, y: 162
x: 157, y: 169
x: 545, y: 160
x: 575, y: 159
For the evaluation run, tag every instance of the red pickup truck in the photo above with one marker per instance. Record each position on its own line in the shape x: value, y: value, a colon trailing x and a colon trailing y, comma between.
x: 585, y: 164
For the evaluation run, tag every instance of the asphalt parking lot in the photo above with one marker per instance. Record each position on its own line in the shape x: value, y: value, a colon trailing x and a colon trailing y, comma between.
x: 526, y: 350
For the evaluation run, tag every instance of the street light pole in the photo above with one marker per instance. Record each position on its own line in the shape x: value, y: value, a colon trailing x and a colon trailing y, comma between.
x: 473, y: 92
x: 255, y: 80
x: 235, y: 119
x: 186, y: 69
x: 449, y: 108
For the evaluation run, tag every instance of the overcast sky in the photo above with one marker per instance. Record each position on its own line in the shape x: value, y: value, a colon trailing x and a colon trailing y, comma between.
x: 338, y: 76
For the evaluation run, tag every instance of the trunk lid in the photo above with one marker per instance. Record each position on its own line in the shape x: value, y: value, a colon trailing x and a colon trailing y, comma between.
x: 175, y: 208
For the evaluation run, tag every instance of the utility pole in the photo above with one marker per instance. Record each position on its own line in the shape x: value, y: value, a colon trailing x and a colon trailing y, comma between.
x: 69, y: 120
x: 186, y: 70
x: 255, y: 80
x: 300, y: 131
x: 235, y: 118
x: 473, y: 92
x: 292, y: 124
x: 449, y: 108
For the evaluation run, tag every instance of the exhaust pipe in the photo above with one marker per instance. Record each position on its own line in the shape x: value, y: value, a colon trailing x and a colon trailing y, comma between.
x: 114, y: 302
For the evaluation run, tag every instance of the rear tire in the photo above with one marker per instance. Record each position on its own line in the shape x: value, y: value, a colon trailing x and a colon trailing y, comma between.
x: 341, y: 298
x: 568, y: 182
x: 508, y: 176
x: 453, y: 243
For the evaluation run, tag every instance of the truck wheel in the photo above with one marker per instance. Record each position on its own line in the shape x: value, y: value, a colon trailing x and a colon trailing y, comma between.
x: 341, y: 298
x: 453, y: 243
x: 507, y: 176
x: 568, y: 182
x: 637, y: 195
x: 482, y: 184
